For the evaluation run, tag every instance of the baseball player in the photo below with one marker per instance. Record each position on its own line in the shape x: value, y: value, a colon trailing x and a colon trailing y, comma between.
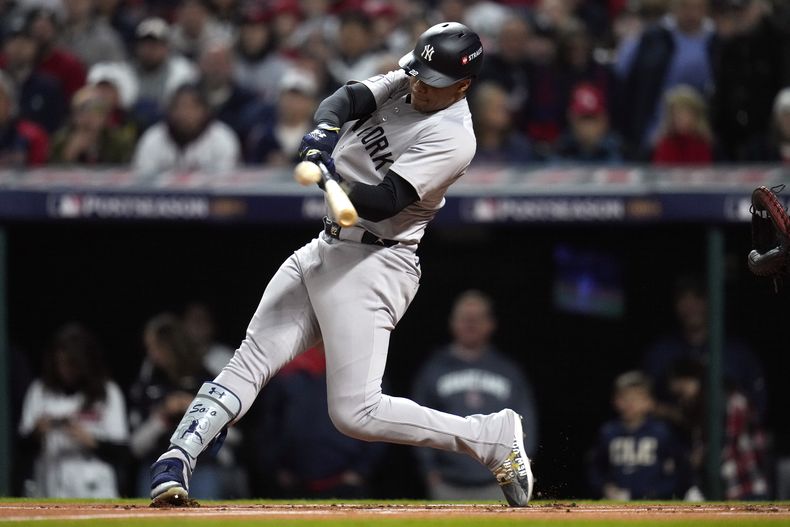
x: 398, y: 141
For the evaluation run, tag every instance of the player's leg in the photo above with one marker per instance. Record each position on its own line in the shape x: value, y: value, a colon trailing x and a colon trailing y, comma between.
x: 357, y: 311
x: 283, y: 326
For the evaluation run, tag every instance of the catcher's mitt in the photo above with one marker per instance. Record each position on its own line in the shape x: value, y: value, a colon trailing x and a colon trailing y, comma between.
x: 770, y: 234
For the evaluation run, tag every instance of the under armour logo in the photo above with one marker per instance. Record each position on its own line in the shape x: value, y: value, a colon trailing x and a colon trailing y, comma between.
x: 213, y: 390
x: 427, y: 52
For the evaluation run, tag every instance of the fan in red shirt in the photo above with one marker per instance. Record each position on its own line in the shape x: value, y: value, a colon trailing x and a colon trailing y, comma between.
x: 54, y: 60
x: 685, y: 136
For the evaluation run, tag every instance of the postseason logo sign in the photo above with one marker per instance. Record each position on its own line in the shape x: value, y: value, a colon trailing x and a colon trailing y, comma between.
x: 127, y: 206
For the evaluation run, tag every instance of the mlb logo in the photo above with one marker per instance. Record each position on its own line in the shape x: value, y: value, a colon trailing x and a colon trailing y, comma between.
x: 464, y: 60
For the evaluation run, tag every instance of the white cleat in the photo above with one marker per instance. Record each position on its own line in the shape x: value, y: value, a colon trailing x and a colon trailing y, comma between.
x: 515, y: 474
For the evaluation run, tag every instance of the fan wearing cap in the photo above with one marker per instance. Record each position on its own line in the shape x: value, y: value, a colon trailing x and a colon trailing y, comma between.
x: 589, y: 139
x: 398, y: 140
x: 275, y: 141
x: 159, y: 70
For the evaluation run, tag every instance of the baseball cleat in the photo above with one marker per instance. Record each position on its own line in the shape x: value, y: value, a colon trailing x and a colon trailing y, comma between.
x: 514, y: 475
x: 169, y: 479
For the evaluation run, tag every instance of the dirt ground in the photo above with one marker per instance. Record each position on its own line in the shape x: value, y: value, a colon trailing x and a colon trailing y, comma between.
x: 64, y: 511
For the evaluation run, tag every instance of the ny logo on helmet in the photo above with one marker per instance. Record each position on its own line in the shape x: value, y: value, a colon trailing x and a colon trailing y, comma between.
x: 427, y: 52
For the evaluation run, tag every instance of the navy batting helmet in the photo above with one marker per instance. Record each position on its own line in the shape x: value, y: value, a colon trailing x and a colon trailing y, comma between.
x: 444, y: 54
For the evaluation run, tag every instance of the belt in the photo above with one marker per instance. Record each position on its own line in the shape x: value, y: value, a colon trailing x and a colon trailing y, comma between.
x: 356, y: 234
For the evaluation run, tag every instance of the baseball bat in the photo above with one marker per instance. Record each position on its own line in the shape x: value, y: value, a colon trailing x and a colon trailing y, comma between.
x: 308, y: 173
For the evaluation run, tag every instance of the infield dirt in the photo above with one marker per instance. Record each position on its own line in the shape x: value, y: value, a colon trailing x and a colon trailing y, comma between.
x: 32, y: 511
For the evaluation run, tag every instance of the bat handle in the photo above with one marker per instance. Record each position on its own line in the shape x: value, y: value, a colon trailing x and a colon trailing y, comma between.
x: 326, y: 175
x: 341, y: 207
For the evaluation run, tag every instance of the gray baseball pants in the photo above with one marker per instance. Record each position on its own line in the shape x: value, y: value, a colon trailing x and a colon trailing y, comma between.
x: 351, y: 296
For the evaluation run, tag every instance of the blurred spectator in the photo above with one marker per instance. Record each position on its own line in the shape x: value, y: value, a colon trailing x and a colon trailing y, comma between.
x: 676, y: 51
x: 22, y: 143
x: 231, y: 103
x: 122, y: 16
x: 637, y: 457
x: 188, y: 139
x: 117, y: 84
x: 199, y: 324
x: 684, y: 137
x: 226, y: 14
x: 294, y: 23
x: 507, y: 66
x: 776, y: 147
x: 594, y: 16
x: 385, y: 23
x: 578, y: 64
x: 355, y: 57
x: 159, y: 71
x: 546, y: 105
x: 742, y: 369
x: 53, y: 58
x: 75, y: 417
x: 276, y: 140
x: 484, y: 18
x: 744, y: 448
x: 589, y: 139
x: 470, y: 376
x: 89, y: 36
x: 752, y: 65
x: 322, y: 463
x: 40, y: 96
x: 259, y: 66
x: 170, y: 374
x: 497, y: 141
x: 195, y: 28
x: 89, y: 139
x: 286, y: 17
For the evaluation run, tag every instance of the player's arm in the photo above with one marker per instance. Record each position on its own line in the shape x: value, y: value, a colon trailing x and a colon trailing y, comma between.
x: 382, y: 201
x: 349, y: 102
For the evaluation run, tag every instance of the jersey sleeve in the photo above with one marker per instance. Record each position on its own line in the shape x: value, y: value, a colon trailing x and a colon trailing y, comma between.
x: 387, y: 86
x: 436, y: 159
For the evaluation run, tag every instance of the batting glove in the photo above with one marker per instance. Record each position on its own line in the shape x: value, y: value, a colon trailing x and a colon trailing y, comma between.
x: 323, y: 139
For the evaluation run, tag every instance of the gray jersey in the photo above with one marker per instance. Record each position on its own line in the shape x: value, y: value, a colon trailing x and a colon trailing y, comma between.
x: 430, y: 151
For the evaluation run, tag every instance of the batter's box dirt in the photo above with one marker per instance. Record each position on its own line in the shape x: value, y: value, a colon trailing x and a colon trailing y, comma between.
x: 557, y: 513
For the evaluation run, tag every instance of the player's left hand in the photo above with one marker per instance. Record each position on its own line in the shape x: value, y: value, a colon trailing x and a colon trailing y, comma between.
x: 320, y: 141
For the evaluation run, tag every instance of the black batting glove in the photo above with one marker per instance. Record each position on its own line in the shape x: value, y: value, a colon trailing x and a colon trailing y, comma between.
x: 323, y: 139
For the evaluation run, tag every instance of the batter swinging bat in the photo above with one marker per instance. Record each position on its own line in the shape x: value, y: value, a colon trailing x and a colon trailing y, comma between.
x: 309, y: 173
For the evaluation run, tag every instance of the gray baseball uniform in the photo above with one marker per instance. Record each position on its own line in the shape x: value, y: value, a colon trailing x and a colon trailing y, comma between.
x: 351, y: 295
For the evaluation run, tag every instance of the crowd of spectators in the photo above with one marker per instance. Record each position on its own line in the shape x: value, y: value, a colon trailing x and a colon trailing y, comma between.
x: 209, y: 84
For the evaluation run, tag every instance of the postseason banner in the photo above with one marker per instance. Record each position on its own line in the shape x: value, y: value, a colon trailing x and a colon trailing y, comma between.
x: 486, y: 195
